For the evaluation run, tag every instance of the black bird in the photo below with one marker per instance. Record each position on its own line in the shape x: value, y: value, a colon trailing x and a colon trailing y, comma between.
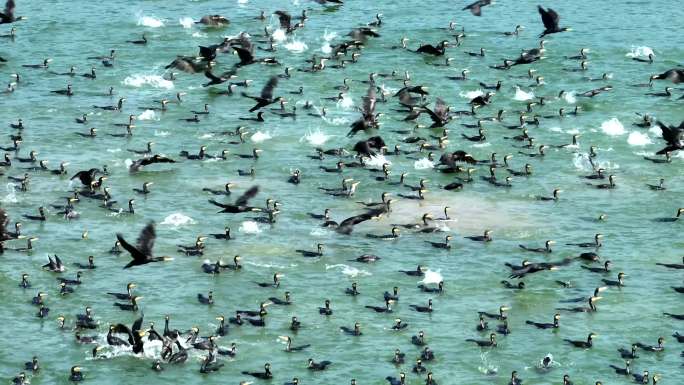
x: 673, y: 135
x: 490, y: 343
x: 142, y: 252
x: 265, y: 375
x: 140, y: 163
x: 543, y: 325
x: 266, y: 97
x: 476, y: 7
x: 550, y: 18
x: 582, y: 344
x: 318, y: 366
x: 240, y: 205
x: 423, y: 309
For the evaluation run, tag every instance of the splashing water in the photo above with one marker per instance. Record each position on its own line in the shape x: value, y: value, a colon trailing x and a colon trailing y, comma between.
x: 348, y: 270
x: 11, y: 196
x: 155, y: 81
x: 316, y: 138
x: 569, y: 97
x: 613, y: 127
x: 279, y: 35
x: 186, y: 22
x: 148, y: 115
x: 432, y: 277
x: 296, y: 46
x: 346, y: 102
x: 377, y: 161
x: 638, y: 139
x: 470, y: 94
x: 641, y: 51
x: 149, y: 21
x: 521, y: 95
x: 178, y: 219
x: 423, y: 164
x: 259, y: 137
x: 249, y: 227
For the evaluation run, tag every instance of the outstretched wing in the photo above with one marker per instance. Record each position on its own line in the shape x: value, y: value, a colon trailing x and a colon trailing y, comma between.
x: 146, y: 239
x: 369, y: 101
x: 155, y: 159
x: 221, y: 205
x: 244, y: 54
x: 249, y: 194
x: 128, y: 247
x: 267, y: 91
x: 9, y: 9
x: 670, y: 134
x: 285, y: 20
x: 211, y: 76
x: 549, y: 17
x: 138, y: 323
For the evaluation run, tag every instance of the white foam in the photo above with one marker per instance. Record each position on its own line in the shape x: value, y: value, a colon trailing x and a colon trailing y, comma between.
x: 186, y: 22
x: 556, y: 129
x: 259, y: 137
x: 114, y: 150
x: 328, y: 36
x: 521, y: 95
x: 638, y: 139
x: 613, y: 127
x: 655, y: 130
x: 161, y: 133
x: 432, y: 277
x: 149, y: 21
x: 148, y: 115
x: 326, y: 48
x: 346, y: 102
x: 199, y: 34
x: 206, y: 136
x: 11, y: 196
x: 178, y: 219
x: 155, y: 81
x: 249, y: 227
x: 480, y: 145
x: 296, y: 46
x: 348, y: 270
x: 316, y: 138
x: 640, y: 51
x: 376, y: 161
x: 423, y: 164
x: 279, y: 35
x: 470, y: 94
x: 569, y: 97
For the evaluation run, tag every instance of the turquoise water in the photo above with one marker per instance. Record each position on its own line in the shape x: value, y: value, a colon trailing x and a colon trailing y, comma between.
x: 70, y: 31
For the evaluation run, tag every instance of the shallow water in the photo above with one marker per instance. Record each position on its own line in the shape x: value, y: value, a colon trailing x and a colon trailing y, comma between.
x: 70, y: 31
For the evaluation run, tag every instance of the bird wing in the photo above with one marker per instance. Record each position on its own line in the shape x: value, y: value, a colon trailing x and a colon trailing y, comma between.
x: 146, y: 239
x: 670, y: 134
x: 207, y: 52
x: 138, y: 323
x: 211, y: 76
x: 285, y: 20
x: 267, y: 91
x: 215, y: 203
x: 135, y: 253
x: 244, y: 54
x: 549, y: 17
x: 249, y: 194
x: 369, y: 101
x: 9, y: 8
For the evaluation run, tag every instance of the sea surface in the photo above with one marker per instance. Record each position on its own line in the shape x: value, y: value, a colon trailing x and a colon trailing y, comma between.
x: 615, y: 31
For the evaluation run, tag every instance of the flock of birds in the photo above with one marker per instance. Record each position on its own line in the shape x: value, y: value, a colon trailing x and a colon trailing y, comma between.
x: 411, y: 100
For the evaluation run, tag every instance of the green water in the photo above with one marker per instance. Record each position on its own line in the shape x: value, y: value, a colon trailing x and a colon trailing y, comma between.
x: 70, y: 31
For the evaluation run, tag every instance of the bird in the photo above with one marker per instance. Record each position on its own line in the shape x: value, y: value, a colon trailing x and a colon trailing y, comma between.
x: 550, y: 18
x: 142, y: 252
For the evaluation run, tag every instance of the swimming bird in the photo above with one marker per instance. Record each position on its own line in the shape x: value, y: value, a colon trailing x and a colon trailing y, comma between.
x: 583, y: 344
x: 265, y: 375
x: 543, y: 325
x: 674, y: 75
